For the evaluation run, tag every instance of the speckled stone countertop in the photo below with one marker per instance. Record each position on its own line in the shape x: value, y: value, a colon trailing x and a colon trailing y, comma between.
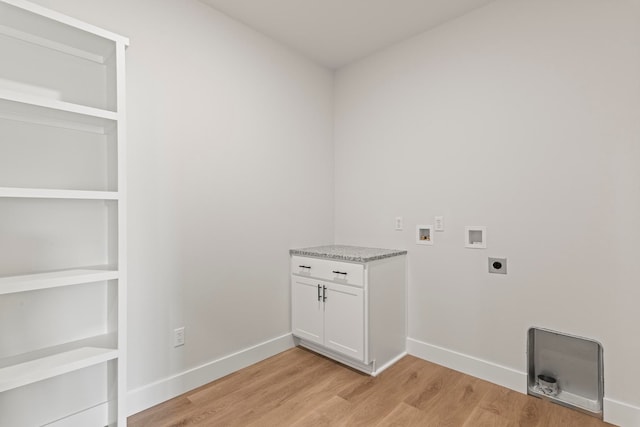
x: 348, y: 253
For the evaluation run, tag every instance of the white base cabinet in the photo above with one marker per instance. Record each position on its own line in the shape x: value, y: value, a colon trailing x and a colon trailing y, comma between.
x: 353, y: 312
x: 329, y: 314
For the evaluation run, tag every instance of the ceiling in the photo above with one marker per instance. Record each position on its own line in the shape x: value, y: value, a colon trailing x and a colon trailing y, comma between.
x: 336, y: 32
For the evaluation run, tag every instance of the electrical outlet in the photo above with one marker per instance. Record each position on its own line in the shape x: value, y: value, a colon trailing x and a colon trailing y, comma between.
x: 178, y: 337
x: 398, y: 223
x: 439, y: 223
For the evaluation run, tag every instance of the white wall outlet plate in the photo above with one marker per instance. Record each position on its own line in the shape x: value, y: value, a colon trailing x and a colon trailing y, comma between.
x: 399, y: 223
x: 178, y: 337
x: 475, y: 237
x: 439, y: 223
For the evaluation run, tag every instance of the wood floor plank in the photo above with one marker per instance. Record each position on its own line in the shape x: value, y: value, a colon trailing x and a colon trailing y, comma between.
x: 257, y: 375
x: 212, y: 403
x: 241, y: 407
x: 299, y: 405
x: 158, y: 415
x: 403, y: 415
x: 502, y: 402
x: 481, y: 417
x: 436, y: 390
x: 302, y: 389
x: 331, y: 413
x: 454, y: 408
x: 382, y: 394
x: 553, y: 413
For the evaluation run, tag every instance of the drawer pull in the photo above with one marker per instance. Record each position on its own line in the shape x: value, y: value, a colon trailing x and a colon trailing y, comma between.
x: 304, y: 266
x: 324, y: 294
x: 339, y: 272
x: 319, y: 295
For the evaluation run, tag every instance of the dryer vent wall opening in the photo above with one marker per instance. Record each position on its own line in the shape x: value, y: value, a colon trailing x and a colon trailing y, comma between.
x: 566, y: 369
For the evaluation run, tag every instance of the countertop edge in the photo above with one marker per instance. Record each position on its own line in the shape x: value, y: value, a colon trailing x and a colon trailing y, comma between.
x: 303, y: 252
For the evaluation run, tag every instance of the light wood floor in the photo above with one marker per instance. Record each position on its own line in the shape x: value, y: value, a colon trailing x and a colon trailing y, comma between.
x: 301, y: 388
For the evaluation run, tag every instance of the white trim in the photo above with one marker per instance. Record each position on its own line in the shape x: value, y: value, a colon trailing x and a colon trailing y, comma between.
x: 45, y: 193
x: 121, y: 227
x: 483, y: 369
x: 160, y: 391
x: 368, y: 368
x: 379, y: 370
x: 620, y: 413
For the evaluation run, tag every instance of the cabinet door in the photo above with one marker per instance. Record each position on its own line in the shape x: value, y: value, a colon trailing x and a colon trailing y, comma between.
x: 306, y: 309
x: 344, y: 320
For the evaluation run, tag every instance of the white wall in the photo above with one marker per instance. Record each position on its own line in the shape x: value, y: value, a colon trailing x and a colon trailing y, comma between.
x: 230, y: 165
x: 523, y: 116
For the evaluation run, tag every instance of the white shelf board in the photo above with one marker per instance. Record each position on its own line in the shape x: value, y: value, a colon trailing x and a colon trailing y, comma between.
x: 52, y: 112
x: 51, y: 366
x: 108, y: 340
x: 50, y: 44
x: 36, y: 24
x: 32, y: 282
x: 43, y: 193
x: 54, y: 104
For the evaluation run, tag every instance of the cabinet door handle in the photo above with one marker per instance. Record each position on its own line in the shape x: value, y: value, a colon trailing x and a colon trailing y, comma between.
x: 304, y: 266
x: 324, y: 294
x: 319, y: 296
x: 339, y: 272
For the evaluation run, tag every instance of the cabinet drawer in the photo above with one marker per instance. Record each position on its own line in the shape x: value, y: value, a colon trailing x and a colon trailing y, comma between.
x: 326, y: 269
x: 308, y: 267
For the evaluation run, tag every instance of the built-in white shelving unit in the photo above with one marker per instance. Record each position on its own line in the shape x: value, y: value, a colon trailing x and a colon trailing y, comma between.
x: 62, y: 208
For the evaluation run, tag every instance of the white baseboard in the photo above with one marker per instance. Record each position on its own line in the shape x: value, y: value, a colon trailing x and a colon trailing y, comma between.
x: 379, y: 369
x: 489, y: 371
x: 370, y: 369
x: 160, y: 391
x: 621, y: 414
